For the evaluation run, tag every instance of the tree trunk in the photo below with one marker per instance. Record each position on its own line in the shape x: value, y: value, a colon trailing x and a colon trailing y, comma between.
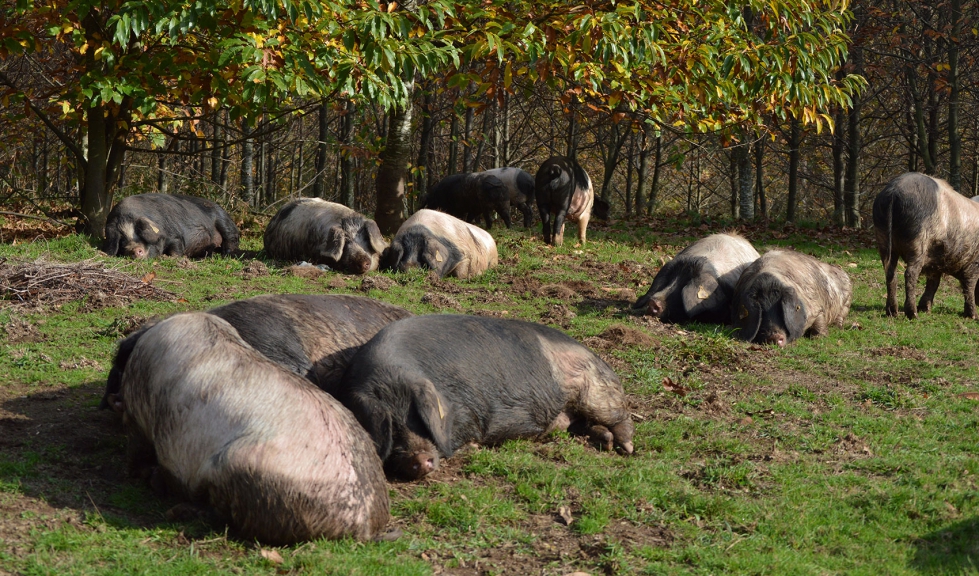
x: 641, y: 175
x: 838, y: 166
x: 247, y: 166
x: 322, y: 149
x: 746, y: 196
x: 453, y: 145
x: 954, y: 138
x: 795, y: 140
x: 467, y: 132
x: 425, y: 146
x: 760, y: 176
x: 217, y: 145
x: 628, y: 173
x: 347, y: 172
x: 393, y: 170
x: 851, y: 192
x: 654, y: 186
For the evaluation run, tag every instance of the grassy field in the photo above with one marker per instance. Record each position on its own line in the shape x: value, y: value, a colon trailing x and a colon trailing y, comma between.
x: 854, y: 453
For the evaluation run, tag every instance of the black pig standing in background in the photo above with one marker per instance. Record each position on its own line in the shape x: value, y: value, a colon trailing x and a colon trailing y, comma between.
x: 314, y: 336
x: 324, y: 233
x: 520, y: 185
x: 564, y: 192
x: 786, y: 294
x: 466, y: 196
x: 426, y: 385
x: 697, y: 284
x: 210, y: 419
x: 152, y: 225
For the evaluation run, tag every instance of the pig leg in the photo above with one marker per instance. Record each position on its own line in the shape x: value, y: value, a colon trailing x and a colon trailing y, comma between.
x: 528, y: 214
x: 559, y: 219
x: 545, y: 218
x: 583, y: 227
x: 560, y: 423
x: 969, y: 292
x: 911, y: 274
x: 890, y: 274
x: 931, y: 287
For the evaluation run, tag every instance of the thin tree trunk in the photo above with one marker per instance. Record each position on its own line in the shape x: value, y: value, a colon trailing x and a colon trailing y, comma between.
x: 467, y: 133
x: 851, y: 192
x: 247, y: 166
x: 453, y: 145
x: 746, y: 197
x: 425, y: 146
x: 217, y: 143
x: 347, y: 176
x: 795, y: 141
x: 654, y: 186
x: 322, y: 150
x: 954, y: 137
x: 760, y: 176
x: 628, y: 173
x: 392, y: 172
x: 641, y: 175
x: 838, y: 167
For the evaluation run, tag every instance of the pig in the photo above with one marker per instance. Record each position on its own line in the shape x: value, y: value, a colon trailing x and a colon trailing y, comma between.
x: 210, y: 419
x: 564, y: 192
x: 426, y: 385
x: 151, y: 225
x: 785, y: 294
x: 443, y: 243
x: 698, y: 283
x: 935, y: 230
x: 314, y: 336
x: 324, y: 232
x: 520, y: 185
x: 466, y: 196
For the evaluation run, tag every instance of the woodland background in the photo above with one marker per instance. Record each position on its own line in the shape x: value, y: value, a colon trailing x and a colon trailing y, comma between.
x: 918, y: 110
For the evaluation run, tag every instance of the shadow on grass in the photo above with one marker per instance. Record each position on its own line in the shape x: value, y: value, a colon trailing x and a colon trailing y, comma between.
x: 951, y: 550
x: 56, y: 446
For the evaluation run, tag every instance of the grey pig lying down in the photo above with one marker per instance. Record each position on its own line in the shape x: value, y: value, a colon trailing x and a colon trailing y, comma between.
x: 698, y: 283
x: 426, y: 385
x: 218, y: 423
x: 786, y: 294
x: 314, y: 336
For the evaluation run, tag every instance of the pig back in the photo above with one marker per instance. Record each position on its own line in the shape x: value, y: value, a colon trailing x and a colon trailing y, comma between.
x: 476, y: 246
x: 282, y: 460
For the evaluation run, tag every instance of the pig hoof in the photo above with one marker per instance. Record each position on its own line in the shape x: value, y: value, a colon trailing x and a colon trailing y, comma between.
x: 625, y: 448
x: 601, y: 435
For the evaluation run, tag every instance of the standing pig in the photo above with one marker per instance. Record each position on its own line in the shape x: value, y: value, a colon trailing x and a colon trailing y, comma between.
x: 443, y: 243
x: 564, y: 192
x: 324, y: 233
x: 426, y: 385
x: 150, y: 225
x: 935, y: 230
x: 314, y: 336
x: 217, y: 423
x: 784, y: 295
x: 520, y: 185
x: 698, y: 283
x: 466, y: 196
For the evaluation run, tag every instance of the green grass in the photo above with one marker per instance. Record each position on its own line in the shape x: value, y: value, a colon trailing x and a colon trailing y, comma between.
x: 853, y: 453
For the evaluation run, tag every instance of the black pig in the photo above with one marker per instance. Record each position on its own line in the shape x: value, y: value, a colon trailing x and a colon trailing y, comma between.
x: 935, y: 230
x: 314, y: 336
x: 785, y: 294
x: 424, y: 386
x: 698, y: 283
x: 467, y: 196
x: 564, y: 192
x: 441, y: 242
x: 324, y: 233
x: 150, y: 225
x: 520, y: 185
x: 210, y: 419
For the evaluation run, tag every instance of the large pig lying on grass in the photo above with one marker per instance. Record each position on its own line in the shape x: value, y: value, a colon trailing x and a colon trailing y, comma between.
x: 151, y: 225
x: 935, y: 230
x: 424, y: 386
x: 520, y: 186
x: 467, y: 196
x: 785, y: 294
x: 314, y: 336
x: 698, y: 283
x: 438, y: 241
x: 217, y: 423
x: 564, y: 192
x: 324, y: 233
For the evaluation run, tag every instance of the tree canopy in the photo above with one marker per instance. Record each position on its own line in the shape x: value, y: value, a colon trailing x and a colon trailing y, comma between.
x: 120, y: 70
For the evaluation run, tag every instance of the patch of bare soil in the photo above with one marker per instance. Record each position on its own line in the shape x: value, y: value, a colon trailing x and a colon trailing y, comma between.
x: 22, y: 331
x: 441, y: 301
x: 42, y: 283
x: 254, y: 269
x: 375, y: 282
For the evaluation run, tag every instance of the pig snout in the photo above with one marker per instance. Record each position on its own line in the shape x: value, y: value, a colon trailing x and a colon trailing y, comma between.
x: 137, y: 251
x: 414, y: 460
x: 655, y: 307
x: 777, y: 338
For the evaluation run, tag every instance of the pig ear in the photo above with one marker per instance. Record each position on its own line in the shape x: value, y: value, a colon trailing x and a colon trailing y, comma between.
x: 435, y: 412
x: 147, y: 230
x: 374, y: 236
x: 702, y: 296
x: 746, y: 320
x: 334, y: 243
x: 794, y: 313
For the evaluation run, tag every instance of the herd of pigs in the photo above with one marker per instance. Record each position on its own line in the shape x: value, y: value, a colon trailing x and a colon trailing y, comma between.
x: 285, y: 414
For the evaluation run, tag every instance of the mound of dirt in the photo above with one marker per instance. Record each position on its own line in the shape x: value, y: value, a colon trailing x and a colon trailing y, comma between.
x: 43, y: 283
